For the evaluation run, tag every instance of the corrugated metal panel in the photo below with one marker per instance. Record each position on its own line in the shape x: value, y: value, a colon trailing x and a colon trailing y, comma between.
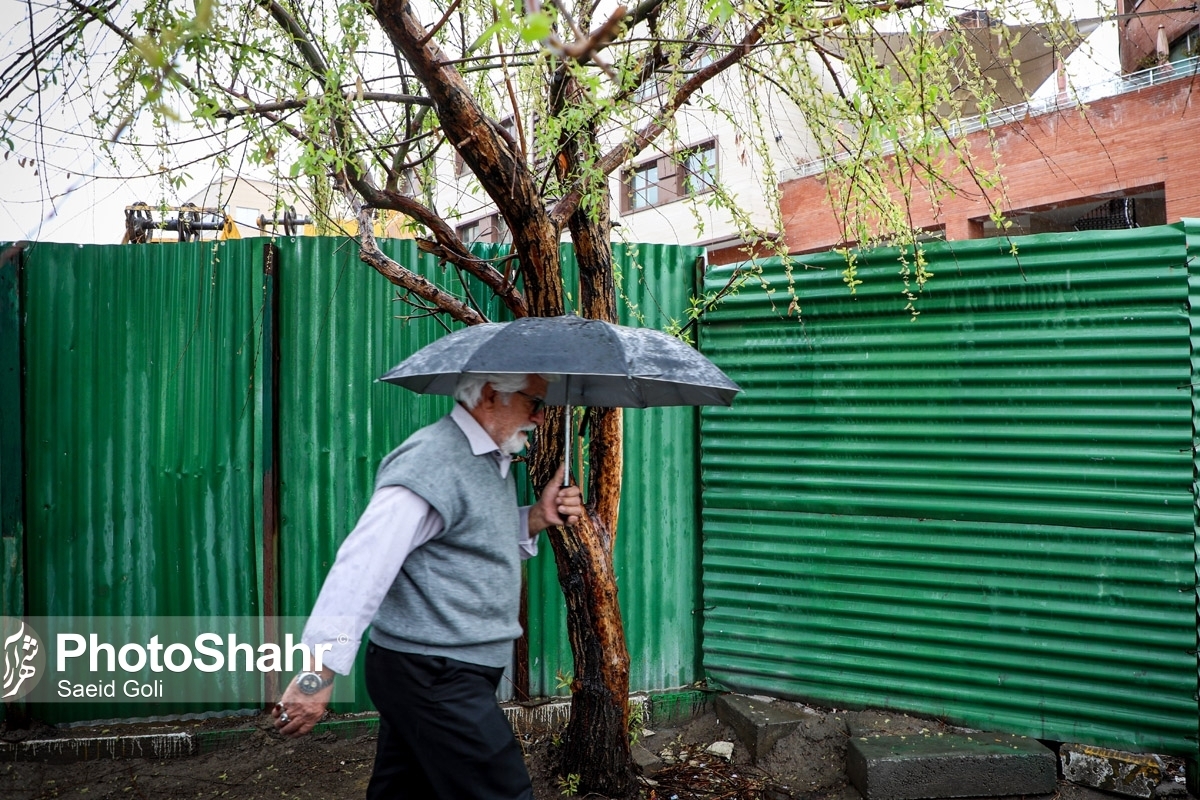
x: 341, y: 327
x: 1191, y: 229
x: 656, y: 553
x: 140, y: 431
x: 12, y: 511
x: 151, y: 385
x: 337, y: 422
x: 985, y: 514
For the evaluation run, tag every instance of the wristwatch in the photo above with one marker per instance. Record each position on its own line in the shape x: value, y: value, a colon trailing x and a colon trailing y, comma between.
x: 312, y: 682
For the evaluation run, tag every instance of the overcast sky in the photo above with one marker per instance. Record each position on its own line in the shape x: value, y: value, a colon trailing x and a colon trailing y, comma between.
x: 60, y: 188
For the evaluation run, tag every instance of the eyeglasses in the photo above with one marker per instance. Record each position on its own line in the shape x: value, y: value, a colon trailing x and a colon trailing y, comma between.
x: 538, y: 402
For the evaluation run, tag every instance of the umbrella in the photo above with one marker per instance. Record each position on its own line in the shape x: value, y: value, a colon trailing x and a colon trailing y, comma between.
x: 601, y: 364
x: 1032, y: 51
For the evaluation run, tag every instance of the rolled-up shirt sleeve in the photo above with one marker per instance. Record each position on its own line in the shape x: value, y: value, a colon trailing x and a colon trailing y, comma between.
x: 527, y: 544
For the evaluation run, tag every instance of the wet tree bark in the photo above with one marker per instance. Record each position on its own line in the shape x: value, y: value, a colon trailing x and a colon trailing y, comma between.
x: 596, y: 744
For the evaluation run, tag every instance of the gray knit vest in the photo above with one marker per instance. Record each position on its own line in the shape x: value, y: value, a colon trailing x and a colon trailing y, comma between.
x: 457, y: 595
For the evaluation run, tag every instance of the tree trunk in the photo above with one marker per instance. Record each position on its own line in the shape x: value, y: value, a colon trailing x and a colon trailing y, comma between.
x: 596, y: 743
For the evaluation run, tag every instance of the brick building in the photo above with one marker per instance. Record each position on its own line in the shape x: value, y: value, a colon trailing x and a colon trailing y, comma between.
x: 1131, y: 160
x: 1154, y: 31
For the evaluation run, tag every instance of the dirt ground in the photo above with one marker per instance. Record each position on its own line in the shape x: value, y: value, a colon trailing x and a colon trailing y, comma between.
x: 810, y: 763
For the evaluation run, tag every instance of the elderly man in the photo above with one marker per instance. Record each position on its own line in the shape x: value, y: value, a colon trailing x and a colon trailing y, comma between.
x: 434, y: 567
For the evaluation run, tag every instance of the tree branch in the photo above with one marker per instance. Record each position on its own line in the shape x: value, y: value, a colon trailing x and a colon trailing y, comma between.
x: 620, y: 154
x: 446, y: 244
x: 291, y: 26
x: 370, y: 254
x: 628, y: 149
x: 478, y: 139
x: 291, y: 105
x: 438, y: 25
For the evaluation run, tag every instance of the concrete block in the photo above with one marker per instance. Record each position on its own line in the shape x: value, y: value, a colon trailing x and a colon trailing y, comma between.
x: 929, y: 766
x: 722, y: 750
x: 646, y: 760
x: 1132, y: 774
x: 758, y: 722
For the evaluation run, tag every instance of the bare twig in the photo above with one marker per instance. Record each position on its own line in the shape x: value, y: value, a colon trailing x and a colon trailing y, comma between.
x: 441, y: 22
x: 289, y: 105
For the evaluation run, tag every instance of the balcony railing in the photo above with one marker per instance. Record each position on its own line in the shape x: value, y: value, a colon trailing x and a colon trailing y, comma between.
x: 1112, y: 87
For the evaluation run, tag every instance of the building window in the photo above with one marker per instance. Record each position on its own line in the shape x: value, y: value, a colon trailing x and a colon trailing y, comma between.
x: 1186, y: 46
x: 643, y: 186
x: 699, y: 173
x: 468, y: 233
x: 687, y: 172
x: 491, y: 229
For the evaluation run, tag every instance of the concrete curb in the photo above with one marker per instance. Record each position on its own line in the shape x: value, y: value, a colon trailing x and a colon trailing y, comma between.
x: 904, y: 767
x: 664, y: 708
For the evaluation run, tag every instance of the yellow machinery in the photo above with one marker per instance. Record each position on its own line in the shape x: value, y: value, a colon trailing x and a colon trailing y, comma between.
x: 188, y: 223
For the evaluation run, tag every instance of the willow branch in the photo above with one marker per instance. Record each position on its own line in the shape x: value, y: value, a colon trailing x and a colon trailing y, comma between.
x: 445, y: 244
x: 487, y: 152
x: 628, y: 149
x: 441, y: 22
x: 291, y: 105
x: 291, y: 26
x: 623, y: 152
x: 399, y: 275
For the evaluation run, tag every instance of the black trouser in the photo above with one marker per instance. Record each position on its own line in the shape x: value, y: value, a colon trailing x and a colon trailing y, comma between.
x: 441, y: 732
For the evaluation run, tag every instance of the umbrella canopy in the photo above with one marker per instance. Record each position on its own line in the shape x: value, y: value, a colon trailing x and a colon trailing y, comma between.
x: 1033, y: 52
x: 605, y: 365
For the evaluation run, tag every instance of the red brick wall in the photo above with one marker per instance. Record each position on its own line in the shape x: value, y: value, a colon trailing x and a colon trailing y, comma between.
x: 1125, y: 143
x: 1139, y: 30
x: 736, y: 254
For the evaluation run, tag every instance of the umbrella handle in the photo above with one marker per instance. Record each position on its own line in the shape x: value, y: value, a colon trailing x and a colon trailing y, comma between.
x: 568, y: 420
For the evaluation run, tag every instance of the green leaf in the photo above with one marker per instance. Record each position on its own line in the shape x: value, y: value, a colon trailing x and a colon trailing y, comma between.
x: 721, y: 10
x: 536, y: 27
x: 504, y: 24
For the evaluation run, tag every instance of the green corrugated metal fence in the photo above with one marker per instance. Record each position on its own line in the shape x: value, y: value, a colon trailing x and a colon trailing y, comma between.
x: 1191, y: 230
x: 12, y: 491
x: 140, y: 434
x: 986, y: 514
x: 164, y: 479
x: 341, y: 329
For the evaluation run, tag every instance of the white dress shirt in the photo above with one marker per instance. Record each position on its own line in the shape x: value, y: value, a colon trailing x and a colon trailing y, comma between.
x: 395, y: 522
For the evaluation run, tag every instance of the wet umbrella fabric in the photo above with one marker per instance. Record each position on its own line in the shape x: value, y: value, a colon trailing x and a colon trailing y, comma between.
x: 603, y: 365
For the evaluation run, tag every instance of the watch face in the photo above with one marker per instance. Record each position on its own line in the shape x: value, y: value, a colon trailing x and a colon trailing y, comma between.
x: 310, y: 683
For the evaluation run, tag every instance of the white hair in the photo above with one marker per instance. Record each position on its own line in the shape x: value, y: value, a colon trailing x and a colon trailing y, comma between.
x: 469, y: 388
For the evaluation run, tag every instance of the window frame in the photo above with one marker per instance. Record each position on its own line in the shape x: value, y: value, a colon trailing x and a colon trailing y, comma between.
x: 488, y: 229
x: 468, y: 232
x: 708, y: 183
x: 671, y: 178
x: 643, y: 186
